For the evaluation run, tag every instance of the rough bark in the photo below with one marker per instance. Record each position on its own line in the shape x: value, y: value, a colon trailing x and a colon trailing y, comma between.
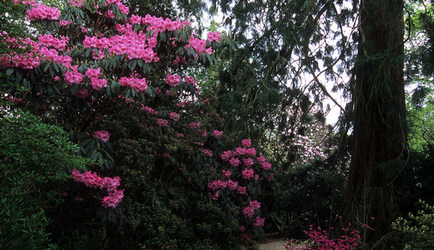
x: 379, y: 126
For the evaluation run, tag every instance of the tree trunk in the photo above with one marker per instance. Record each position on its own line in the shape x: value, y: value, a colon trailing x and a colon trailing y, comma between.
x: 379, y: 125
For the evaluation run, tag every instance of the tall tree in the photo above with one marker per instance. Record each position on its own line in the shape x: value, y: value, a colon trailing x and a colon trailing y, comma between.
x: 379, y: 125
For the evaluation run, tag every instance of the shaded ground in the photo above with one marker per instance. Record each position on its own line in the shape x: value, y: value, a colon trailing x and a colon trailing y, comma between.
x: 275, y: 242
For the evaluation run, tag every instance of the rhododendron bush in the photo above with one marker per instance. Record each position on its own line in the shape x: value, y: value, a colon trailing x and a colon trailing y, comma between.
x: 119, y: 85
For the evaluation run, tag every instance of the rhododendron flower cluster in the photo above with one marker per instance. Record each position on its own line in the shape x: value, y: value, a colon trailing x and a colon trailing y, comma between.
x: 173, y: 80
x: 40, y: 11
x: 92, y: 180
x: 350, y: 241
x: 103, y: 135
x: 137, y: 84
x: 214, y: 36
x: 50, y: 41
x: 238, y: 181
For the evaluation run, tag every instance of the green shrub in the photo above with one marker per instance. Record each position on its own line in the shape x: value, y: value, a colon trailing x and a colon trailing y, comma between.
x: 417, y: 230
x: 35, y: 158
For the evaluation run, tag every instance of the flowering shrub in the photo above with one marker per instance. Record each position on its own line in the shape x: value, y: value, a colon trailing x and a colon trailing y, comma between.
x: 117, y: 85
x: 322, y: 241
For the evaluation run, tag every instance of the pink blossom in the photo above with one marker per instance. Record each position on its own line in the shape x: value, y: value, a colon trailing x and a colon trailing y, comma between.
x: 73, y: 77
x: 248, y: 212
x: 221, y: 184
x: 217, y: 133
x: 180, y: 135
x: 135, y: 19
x: 259, y: 222
x: 113, y: 199
x: 190, y: 80
x: 173, y: 80
x: 232, y: 185
x: 207, y: 152
x: 227, y: 174
x: 248, y: 162
x: 213, y: 185
x: 266, y: 166
x: 93, y: 73
x: 246, y: 143
x: 103, y: 135
x: 241, y: 190
x: 194, y: 125
x: 97, y: 84
x: 234, y: 162
x: 77, y: 3
x: 240, y: 151
x: 40, y: 11
x: 63, y: 23
x: 255, y: 204
x: 241, y: 229
x: 248, y: 173
x: 174, y: 116
x: 261, y: 158
x: 226, y: 155
x: 149, y: 110
x: 251, y: 152
x: 215, y: 196
x: 162, y: 122
x: 214, y: 36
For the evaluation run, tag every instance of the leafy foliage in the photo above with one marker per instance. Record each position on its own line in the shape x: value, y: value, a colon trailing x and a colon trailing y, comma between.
x: 36, y: 160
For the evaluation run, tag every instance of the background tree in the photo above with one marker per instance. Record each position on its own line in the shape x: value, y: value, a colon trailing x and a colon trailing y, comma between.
x: 379, y: 137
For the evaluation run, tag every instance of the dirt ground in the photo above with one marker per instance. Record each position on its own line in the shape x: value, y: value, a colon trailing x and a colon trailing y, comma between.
x: 274, y: 245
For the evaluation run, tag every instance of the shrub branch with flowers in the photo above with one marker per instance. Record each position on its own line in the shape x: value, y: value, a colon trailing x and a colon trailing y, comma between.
x: 118, y: 85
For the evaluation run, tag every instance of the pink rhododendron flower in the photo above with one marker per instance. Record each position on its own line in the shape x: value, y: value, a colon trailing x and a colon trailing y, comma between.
x: 149, y: 110
x: 227, y: 174
x: 113, y: 199
x: 93, y: 73
x: 173, y: 80
x: 241, y: 190
x: 221, y: 184
x: 255, y: 204
x: 241, y: 229
x: 97, y: 84
x: 235, y: 162
x: 259, y: 222
x: 103, y: 135
x: 64, y: 23
x: 194, y: 125
x: 248, y: 173
x: 213, y: 185
x: 246, y: 143
x: 77, y: 3
x: 217, y: 133
x: 240, y: 151
x: 207, y: 152
x: 162, y: 122
x: 134, y: 19
x: 261, y: 158
x: 190, y: 80
x: 248, y: 212
x: 214, y: 36
x: 251, y: 152
x: 174, y: 116
x: 81, y: 94
x: 248, y: 162
x: 226, y: 155
x: 266, y: 166
x: 40, y: 11
x: 232, y: 185
x: 215, y: 196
